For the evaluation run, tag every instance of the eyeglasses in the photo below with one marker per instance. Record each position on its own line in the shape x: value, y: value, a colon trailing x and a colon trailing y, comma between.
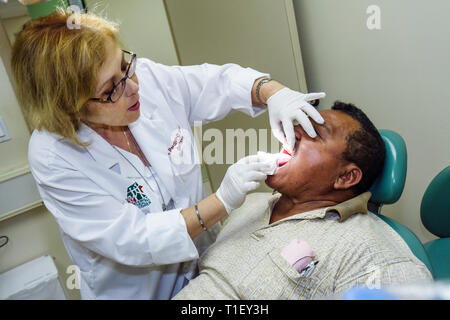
x: 118, y: 89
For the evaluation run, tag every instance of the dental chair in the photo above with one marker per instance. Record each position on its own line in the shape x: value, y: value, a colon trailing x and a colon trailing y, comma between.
x: 388, y: 188
x: 435, y: 215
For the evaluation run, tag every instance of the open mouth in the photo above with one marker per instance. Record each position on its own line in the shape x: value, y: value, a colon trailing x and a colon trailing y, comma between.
x: 135, y: 106
x: 288, y: 151
x: 285, y: 160
x: 282, y: 162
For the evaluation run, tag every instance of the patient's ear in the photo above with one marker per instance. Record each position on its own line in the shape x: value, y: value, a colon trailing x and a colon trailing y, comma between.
x: 350, y: 176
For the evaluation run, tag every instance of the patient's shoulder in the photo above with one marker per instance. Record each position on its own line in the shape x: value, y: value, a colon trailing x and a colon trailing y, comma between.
x: 260, y: 196
x: 366, y: 245
x: 370, y: 236
x: 254, y: 206
x: 257, y: 201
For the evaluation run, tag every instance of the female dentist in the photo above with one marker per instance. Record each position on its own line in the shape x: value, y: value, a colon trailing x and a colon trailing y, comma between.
x: 110, y: 130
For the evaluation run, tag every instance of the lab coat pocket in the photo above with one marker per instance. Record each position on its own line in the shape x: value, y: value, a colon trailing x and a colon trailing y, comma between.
x: 182, y: 153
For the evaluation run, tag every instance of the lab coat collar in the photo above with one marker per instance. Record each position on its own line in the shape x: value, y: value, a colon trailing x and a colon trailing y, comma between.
x: 102, y: 152
x: 108, y: 156
x: 153, y: 137
x: 133, y: 170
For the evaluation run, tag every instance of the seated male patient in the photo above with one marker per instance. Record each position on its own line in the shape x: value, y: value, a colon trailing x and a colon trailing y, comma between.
x: 315, y: 238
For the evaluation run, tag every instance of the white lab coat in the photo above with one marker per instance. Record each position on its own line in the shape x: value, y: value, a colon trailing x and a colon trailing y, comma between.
x: 123, y: 251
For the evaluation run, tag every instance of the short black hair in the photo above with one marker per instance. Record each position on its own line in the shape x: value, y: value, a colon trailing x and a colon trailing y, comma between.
x: 365, y: 147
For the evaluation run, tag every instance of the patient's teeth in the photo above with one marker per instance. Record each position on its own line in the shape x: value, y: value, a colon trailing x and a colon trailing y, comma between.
x: 286, y: 150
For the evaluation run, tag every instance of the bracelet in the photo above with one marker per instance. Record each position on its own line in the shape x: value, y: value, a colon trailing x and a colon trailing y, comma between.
x: 258, y: 87
x: 200, y: 218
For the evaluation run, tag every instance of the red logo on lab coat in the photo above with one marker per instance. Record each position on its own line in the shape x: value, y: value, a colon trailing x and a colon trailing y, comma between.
x: 177, y: 141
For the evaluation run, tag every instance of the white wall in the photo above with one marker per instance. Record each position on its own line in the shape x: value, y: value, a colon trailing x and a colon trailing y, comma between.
x: 398, y: 75
x: 14, y: 25
x: 13, y: 152
x: 144, y: 28
x: 252, y: 33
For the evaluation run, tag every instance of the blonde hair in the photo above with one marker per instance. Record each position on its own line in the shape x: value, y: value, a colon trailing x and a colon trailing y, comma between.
x: 56, y: 68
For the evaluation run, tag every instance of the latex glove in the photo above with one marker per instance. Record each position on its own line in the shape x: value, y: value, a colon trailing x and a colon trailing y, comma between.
x: 242, y: 178
x: 287, y: 105
x: 272, y: 160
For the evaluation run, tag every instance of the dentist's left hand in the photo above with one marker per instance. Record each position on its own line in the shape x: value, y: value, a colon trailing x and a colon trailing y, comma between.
x: 287, y: 105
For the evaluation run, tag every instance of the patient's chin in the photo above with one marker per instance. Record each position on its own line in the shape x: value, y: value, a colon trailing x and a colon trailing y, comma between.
x: 271, y: 182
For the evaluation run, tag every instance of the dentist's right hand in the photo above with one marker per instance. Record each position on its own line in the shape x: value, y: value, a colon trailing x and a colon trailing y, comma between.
x: 240, y: 179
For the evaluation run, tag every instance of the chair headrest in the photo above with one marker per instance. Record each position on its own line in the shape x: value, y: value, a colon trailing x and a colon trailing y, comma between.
x: 389, y: 185
x: 435, y: 206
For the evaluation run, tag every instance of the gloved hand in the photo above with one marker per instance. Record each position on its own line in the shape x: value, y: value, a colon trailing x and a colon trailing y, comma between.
x: 287, y: 105
x: 272, y: 160
x: 242, y: 178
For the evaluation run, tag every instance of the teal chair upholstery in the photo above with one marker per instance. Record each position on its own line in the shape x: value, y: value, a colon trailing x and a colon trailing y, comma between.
x: 388, y: 188
x: 435, y: 215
